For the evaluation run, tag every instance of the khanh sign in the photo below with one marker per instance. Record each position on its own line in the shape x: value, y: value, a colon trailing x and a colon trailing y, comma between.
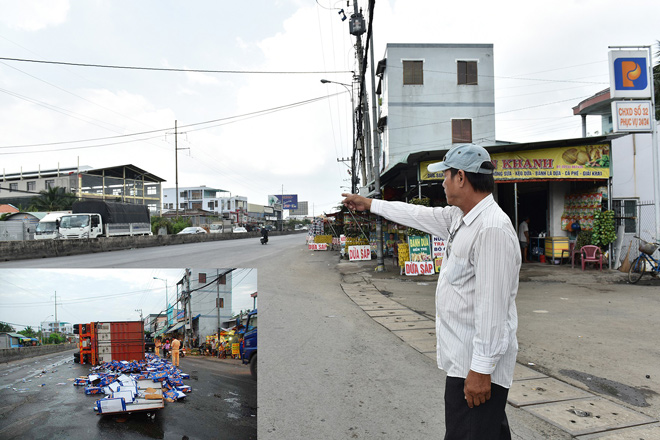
x: 629, y: 116
x: 359, y: 253
x: 414, y: 268
x: 579, y: 162
x: 318, y: 246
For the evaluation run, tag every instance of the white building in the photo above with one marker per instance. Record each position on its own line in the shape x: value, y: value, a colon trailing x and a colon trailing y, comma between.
x: 210, y: 300
x: 48, y: 327
x: 205, y: 198
x: 433, y: 96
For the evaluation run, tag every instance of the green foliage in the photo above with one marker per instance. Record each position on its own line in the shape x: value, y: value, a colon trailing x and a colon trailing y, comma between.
x: 174, y: 226
x: 603, y: 232
x: 583, y: 239
x: 4, y: 327
x: 56, y: 338
x: 52, y: 199
x: 416, y: 201
x: 29, y: 332
x: 4, y: 216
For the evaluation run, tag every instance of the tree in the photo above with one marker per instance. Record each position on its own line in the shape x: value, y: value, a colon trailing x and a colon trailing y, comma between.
x: 4, y: 327
x: 29, y: 332
x: 54, y: 198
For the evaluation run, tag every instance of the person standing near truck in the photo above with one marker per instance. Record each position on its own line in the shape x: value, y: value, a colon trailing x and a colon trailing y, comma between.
x: 157, y: 345
x: 476, y: 317
x: 175, y: 352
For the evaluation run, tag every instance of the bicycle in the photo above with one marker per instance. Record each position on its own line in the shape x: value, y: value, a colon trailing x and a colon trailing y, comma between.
x: 644, y: 262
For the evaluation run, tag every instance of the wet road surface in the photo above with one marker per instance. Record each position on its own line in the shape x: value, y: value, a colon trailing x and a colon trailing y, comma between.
x: 38, y: 400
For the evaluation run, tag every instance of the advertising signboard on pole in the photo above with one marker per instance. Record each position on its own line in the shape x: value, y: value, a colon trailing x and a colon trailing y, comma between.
x: 629, y: 74
x: 631, y: 116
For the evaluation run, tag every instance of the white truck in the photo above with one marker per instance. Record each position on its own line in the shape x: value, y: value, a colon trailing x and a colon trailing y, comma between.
x: 47, y: 226
x: 92, y: 219
x: 220, y: 227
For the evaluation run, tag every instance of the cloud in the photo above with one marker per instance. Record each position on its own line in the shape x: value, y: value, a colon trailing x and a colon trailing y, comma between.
x: 201, y: 78
x: 34, y: 15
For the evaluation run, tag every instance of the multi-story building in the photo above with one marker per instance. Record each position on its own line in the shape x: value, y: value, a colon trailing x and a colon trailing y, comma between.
x: 203, y: 198
x: 434, y: 96
x: 124, y: 183
x: 48, y: 327
x: 206, y: 300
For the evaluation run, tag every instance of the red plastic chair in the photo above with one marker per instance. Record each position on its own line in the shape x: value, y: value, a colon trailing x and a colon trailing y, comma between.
x: 591, y: 254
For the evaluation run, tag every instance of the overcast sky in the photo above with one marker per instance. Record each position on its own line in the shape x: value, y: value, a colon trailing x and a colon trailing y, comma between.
x: 548, y: 57
x: 27, y: 296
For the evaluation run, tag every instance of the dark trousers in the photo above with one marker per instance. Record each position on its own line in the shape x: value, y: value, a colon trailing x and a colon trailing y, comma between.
x: 484, y: 422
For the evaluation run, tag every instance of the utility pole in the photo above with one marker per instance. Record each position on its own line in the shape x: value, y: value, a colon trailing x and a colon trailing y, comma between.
x: 356, y: 27
x: 380, y: 262
x: 176, y: 166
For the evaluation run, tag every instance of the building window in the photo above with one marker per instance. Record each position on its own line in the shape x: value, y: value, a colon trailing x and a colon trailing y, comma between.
x: 216, y: 203
x: 13, y: 187
x: 467, y: 72
x: 202, y: 277
x: 211, y: 205
x: 31, y: 186
x: 222, y: 279
x: 625, y: 214
x: 183, y: 194
x: 461, y: 131
x: 413, y: 73
x: 151, y: 190
x: 50, y: 184
x: 116, y: 191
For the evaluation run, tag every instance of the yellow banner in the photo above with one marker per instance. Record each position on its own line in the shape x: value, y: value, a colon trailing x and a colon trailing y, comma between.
x: 581, y: 162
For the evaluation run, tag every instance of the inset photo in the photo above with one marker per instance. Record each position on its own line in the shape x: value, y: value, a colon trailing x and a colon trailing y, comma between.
x: 129, y: 352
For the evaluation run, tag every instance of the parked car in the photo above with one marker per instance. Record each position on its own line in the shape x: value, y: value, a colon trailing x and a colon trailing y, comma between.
x: 192, y: 230
x: 239, y: 229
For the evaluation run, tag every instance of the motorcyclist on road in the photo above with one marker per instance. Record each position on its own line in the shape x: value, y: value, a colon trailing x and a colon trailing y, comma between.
x: 264, y: 235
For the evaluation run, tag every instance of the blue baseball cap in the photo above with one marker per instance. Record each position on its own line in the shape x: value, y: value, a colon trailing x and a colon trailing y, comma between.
x: 467, y: 157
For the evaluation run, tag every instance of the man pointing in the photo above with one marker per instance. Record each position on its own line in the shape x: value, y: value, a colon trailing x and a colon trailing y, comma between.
x: 476, y: 317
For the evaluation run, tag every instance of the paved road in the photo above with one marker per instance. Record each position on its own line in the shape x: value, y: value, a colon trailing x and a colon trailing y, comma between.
x: 222, y: 404
x: 224, y: 253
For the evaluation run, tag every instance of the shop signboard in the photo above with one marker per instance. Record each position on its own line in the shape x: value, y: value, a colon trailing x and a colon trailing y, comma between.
x: 579, y: 162
x: 358, y: 253
x: 318, y: 246
x: 629, y: 74
x: 414, y: 268
x: 420, y: 248
x: 235, y: 349
x: 439, y: 247
x: 631, y: 116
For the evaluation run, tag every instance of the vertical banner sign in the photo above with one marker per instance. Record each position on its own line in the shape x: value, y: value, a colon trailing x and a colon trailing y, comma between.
x: 439, y: 248
x: 359, y: 253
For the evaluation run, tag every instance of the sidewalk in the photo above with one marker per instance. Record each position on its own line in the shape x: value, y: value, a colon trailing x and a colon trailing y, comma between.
x: 588, y: 359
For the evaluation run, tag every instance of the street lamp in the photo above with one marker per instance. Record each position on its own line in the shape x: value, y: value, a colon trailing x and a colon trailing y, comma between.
x: 166, y: 298
x: 350, y: 90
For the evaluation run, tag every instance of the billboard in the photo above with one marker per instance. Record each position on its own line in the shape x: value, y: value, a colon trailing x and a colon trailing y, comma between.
x: 629, y: 74
x: 290, y: 200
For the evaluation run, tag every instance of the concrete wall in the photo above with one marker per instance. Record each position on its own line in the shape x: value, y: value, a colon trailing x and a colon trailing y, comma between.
x: 13, y: 354
x: 21, y: 250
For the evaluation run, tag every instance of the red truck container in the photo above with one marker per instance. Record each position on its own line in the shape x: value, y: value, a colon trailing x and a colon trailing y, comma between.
x: 109, y: 341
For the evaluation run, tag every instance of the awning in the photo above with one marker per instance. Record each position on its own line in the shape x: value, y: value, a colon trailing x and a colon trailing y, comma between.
x: 18, y: 335
x: 175, y: 327
x: 197, y: 316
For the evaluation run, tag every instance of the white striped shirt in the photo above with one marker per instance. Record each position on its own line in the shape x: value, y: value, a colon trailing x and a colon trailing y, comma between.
x: 476, y: 317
